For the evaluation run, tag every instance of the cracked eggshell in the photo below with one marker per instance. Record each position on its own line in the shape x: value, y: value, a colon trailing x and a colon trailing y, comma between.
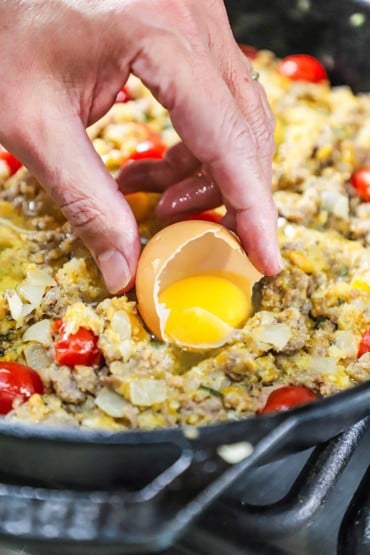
x: 187, y: 249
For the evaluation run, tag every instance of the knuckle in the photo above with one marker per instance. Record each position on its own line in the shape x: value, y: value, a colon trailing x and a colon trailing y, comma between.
x: 184, y: 14
x: 82, y: 212
x: 236, y: 130
x: 262, y: 130
x: 149, y: 67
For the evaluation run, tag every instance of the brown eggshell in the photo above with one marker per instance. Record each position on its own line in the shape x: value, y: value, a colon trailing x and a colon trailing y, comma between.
x: 186, y: 249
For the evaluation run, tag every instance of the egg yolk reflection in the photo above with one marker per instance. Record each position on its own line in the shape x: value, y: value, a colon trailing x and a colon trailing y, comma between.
x: 203, y: 310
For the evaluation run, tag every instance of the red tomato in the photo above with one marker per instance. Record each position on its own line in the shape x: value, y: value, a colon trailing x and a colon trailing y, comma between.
x: 76, y: 348
x: 123, y: 95
x: 206, y: 215
x: 12, y: 162
x: 302, y: 67
x: 361, y: 182
x: 152, y: 147
x: 287, y: 397
x: 249, y: 51
x: 364, y: 346
x: 17, y: 381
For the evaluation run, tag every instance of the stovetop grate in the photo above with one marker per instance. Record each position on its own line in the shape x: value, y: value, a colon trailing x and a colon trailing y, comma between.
x: 231, y: 522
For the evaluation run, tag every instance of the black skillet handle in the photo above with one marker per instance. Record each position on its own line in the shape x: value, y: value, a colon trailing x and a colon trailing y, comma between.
x: 150, y: 519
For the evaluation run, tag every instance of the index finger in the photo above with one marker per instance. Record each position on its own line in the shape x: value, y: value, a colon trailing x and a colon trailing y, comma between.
x: 214, y: 129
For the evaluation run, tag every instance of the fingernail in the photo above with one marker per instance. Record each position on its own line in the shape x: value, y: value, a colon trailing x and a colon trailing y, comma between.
x: 115, y: 270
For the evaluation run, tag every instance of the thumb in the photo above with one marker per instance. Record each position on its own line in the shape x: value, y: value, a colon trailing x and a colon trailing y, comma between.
x: 57, y: 150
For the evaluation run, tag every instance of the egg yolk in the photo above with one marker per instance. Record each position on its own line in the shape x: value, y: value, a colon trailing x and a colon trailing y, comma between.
x: 203, y: 310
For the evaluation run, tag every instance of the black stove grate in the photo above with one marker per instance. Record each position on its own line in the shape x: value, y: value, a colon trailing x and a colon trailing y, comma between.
x: 230, y: 525
x: 307, y: 494
x: 354, y: 534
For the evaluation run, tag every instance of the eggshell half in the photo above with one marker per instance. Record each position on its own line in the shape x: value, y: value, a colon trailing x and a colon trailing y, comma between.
x: 186, y: 249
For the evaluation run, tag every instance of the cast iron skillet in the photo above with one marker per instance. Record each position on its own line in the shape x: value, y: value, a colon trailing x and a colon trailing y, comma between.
x: 140, y: 489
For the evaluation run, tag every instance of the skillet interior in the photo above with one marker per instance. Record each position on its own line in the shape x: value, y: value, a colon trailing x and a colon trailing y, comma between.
x: 98, y: 459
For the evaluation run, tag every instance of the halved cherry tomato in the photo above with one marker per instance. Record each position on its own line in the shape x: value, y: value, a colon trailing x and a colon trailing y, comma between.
x: 76, y: 348
x: 206, y: 215
x: 364, y: 346
x: 302, y: 67
x: 249, y: 50
x: 361, y: 182
x: 152, y: 147
x: 17, y: 382
x: 123, y: 95
x: 11, y: 161
x: 287, y: 397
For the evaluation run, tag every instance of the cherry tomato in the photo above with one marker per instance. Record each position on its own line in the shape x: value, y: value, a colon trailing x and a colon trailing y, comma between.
x: 17, y: 382
x: 361, y: 182
x: 152, y: 147
x: 206, y: 215
x: 287, y: 397
x: 364, y: 346
x: 123, y: 95
x: 249, y: 51
x: 302, y: 67
x: 11, y: 161
x: 76, y: 348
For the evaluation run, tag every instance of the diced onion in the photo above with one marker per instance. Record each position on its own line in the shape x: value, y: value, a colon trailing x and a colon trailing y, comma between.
x: 276, y: 335
x: 40, y: 276
x: 32, y: 293
x: 33, y: 287
x: 266, y: 317
x: 323, y: 365
x: 111, y: 403
x: 235, y: 452
x: 121, y: 325
x: 345, y: 344
x: 27, y: 309
x: 145, y: 392
x: 39, y: 332
x: 36, y: 356
x: 335, y: 203
x: 15, y: 304
x: 191, y: 432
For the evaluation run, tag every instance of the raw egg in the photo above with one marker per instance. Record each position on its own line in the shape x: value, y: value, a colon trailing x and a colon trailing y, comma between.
x: 194, y: 284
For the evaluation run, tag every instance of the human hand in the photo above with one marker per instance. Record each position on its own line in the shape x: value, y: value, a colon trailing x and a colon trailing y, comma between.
x: 63, y: 63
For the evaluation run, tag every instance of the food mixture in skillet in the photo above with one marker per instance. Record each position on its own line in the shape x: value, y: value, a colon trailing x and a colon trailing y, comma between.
x: 96, y: 365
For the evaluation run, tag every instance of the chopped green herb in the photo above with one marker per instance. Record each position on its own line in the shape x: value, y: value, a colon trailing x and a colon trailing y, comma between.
x: 341, y: 301
x: 211, y: 391
x: 319, y: 321
x: 343, y: 272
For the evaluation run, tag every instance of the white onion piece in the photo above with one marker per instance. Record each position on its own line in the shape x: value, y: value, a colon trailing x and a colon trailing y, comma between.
x: 323, y: 365
x: 41, y: 277
x: 235, y: 452
x: 276, y: 335
x: 145, y: 392
x: 32, y: 293
x: 27, y: 309
x: 266, y: 317
x: 111, y: 403
x: 121, y: 325
x: 15, y: 304
x: 36, y: 356
x: 345, y: 344
x: 39, y: 332
x: 335, y: 203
